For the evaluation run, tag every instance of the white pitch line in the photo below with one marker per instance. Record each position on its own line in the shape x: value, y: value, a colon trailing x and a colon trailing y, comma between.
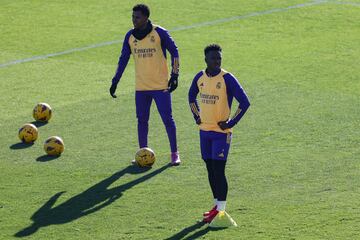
x: 254, y: 14
x: 209, y: 23
x: 59, y: 53
x: 348, y: 3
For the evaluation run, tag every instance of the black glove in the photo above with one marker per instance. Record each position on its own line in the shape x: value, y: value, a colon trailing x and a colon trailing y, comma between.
x: 198, y: 121
x: 173, y: 82
x: 224, y: 125
x: 112, y: 90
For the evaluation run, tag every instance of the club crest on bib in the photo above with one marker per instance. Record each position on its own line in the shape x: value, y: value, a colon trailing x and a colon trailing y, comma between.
x: 218, y: 85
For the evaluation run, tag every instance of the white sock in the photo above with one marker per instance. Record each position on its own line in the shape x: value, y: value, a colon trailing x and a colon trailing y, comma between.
x: 220, y: 206
x: 215, y: 201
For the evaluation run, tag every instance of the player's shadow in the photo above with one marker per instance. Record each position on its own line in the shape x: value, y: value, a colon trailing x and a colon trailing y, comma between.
x: 182, y: 235
x: 47, y: 158
x: 91, y: 200
x: 20, y: 145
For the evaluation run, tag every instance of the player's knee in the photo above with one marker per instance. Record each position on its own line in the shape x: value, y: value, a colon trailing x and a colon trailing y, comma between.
x: 219, y: 173
x: 168, y: 121
x: 143, y: 120
x: 220, y: 176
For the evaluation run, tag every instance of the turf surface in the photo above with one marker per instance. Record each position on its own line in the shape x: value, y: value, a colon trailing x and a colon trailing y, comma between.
x: 293, y: 168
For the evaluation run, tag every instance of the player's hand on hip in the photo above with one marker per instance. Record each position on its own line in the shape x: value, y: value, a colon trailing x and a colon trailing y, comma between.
x: 223, y: 125
x: 112, y: 90
x: 173, y: 82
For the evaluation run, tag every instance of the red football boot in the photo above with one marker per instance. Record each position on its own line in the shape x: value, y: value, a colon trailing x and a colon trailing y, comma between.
x: 211, y: 216
x: 207, y: 213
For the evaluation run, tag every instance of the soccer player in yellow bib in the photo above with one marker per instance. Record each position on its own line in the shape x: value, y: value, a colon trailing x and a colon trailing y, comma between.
x: 148, y: 44
x: 216, y: 89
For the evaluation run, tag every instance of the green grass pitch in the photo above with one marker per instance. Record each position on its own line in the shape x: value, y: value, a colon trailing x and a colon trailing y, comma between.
x: 294, y: 164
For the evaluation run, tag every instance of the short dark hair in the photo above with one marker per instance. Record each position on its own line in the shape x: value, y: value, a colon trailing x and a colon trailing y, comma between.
x: 144, y: 9
x: 212, y: 47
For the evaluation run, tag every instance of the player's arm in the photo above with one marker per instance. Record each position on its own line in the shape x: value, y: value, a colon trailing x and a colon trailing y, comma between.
x: 234, y: 88
x: 167, y: 43
x: 122, y: 63
x: 193, y: 92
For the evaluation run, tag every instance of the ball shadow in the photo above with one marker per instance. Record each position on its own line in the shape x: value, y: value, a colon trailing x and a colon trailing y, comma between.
x: 133, y: 169
x: 20, y: 145
x: 47, y: 158
x: 39, y: 124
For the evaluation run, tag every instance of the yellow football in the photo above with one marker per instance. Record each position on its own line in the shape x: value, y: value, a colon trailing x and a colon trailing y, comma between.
x: 145, y: 157
x: 42, y: 112
x: 28, y: 133
x: 54, y: 146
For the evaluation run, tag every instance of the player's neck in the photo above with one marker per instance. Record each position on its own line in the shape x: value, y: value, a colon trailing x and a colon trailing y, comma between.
x: 140, y: 33
x: 212, y: 72
x: 144, y: 26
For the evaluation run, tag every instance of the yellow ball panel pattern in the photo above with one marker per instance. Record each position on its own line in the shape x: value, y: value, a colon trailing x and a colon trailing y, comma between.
x: 28, y: 133
x: 145, y: 157
x: 42, y: 112
x: 54, y: 146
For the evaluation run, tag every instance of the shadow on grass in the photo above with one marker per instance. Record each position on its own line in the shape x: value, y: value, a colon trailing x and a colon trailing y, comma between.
x: 20, y: 145
x: 47, y: 158
x: 39, y: 124
x: 182, y: 234
x: 91, y: 200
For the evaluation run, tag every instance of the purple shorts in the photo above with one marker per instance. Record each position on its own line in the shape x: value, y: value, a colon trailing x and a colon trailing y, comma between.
x: 214, y: 145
